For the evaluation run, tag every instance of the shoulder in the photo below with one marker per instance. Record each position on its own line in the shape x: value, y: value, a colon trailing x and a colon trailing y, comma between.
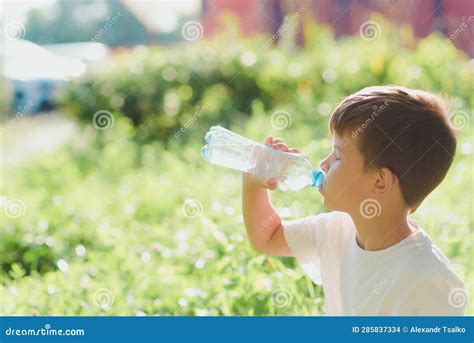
x: 429, y: 262
x: 316, y: 221
x: 340, y: 226
x: 439, y: 293
x: 429, y: 285
x: 316, y: 228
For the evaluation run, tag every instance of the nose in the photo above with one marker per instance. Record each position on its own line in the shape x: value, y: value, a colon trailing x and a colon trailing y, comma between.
x: 324, y: 165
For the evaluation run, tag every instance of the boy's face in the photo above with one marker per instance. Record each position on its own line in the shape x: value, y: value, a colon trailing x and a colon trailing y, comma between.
x: 345, y: 185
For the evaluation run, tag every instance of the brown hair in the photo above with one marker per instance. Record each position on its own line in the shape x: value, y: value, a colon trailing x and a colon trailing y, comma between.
x: 405, y: 130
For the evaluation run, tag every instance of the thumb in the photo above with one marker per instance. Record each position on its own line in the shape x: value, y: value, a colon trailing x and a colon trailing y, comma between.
x: 271, y: 184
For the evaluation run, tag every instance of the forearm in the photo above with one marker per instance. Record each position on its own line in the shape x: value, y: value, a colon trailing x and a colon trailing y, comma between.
x: 260, y: 218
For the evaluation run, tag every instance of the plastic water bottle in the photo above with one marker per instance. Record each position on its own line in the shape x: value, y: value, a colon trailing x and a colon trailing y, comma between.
x: 229, y: 149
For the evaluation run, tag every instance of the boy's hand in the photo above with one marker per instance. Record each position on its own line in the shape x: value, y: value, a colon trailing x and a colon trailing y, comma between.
x: 271, y: 184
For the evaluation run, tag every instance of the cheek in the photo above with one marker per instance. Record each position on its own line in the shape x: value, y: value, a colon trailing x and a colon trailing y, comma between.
x: 343, y: 178
x: 336, y: 175
x: 343, y: 189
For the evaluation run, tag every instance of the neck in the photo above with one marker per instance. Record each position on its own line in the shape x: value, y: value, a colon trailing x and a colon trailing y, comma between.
x: 382, y: 232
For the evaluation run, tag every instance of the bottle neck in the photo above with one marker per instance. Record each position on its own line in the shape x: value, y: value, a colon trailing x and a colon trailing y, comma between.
x: 317, y: 178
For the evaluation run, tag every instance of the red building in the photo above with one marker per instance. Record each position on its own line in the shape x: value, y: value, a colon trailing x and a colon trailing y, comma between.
x: 455, y: 18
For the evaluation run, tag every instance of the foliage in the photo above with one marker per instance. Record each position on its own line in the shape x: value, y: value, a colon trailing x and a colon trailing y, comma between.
x: 113, y: 227
x: 162, y: 89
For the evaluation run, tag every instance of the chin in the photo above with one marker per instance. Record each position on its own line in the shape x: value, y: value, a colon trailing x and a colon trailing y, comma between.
x: 330, y: 205
x: 326, y: 204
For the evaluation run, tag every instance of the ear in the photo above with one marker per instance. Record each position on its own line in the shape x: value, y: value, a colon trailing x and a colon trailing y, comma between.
x: 385, y: 180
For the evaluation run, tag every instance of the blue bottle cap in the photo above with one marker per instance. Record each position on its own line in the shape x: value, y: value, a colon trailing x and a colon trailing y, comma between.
x: 206, y: 152
x: 317, y: 178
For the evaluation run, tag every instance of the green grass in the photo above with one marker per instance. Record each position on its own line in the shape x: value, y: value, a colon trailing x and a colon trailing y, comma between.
x: 139, y: 229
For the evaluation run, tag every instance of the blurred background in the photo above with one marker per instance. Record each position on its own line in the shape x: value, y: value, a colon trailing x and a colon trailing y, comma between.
x: 107, y: 206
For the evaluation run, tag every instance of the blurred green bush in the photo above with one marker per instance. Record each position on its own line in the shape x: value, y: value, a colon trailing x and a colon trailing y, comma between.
x: 224, y: 80
x: 5, y: 98
x: 112, y: 227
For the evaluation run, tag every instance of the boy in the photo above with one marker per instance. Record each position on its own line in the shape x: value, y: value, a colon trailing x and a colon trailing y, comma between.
x: 392, y: 147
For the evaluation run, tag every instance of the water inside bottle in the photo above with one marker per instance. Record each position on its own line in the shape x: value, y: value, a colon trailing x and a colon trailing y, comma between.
x: 228, y: 149
x: 296, y: 182
x: 223, y: 155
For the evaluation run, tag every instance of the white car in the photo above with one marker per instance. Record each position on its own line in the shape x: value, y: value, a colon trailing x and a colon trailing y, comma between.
x: 34, y: 73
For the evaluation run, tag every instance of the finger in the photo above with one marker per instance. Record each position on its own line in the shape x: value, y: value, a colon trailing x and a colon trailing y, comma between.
x: 280, y: 146
x: 268, y: 140
x: 277, y: 140
x: 271, y: 184
x: 294, y: 150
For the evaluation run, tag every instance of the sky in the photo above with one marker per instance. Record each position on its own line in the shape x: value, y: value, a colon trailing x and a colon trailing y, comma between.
x: 157, y: 15
x: 18, y: 9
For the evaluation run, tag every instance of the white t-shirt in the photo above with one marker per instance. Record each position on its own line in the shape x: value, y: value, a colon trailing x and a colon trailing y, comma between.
x: 412, y: 277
